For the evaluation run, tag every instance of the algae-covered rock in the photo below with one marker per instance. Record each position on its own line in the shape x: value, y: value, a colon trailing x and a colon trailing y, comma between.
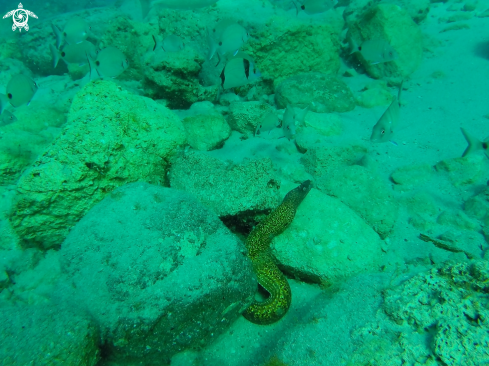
x: 175, y: 77
x: 478, y: 205
x: 287, y: 47
x: 417, y: 9
x: 206, y: 131
x: 365, y: 193
x: 157, y: 271
x: 21, y: 143
x: 463, y: 171
x: 321, y: 93
x: 393, y: 24
x: 412, y: 175
x: 326, y: 124
x: 446, y: 304
x: 457, y: 219
x: 48, y: 334
x: 305, y: 249
x: 226, y: 188
x: 245, y: 116
x: 111, y: 138
x: 422, y: 210
x: 324, y: 159
x: 374, y: 94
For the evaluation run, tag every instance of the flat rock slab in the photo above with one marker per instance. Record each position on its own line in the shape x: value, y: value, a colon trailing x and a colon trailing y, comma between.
x: 320, y: 92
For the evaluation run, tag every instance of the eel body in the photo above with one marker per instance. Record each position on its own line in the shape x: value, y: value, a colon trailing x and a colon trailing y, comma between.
x: 267, y: 272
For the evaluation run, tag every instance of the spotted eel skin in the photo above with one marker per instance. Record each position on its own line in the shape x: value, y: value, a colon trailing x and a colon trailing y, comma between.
x: 267, y: 272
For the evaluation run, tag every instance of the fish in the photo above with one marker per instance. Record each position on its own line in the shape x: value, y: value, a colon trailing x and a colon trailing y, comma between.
x: 386, y: 125
x: 171, y: 43
x: 288, y: 123
x: 475, y: 144
x: 75, y: 31
x: 73, y: 53
x: 21, y: 90
x: 4, y: 102
x: 312, y: 7
x: 375, y: 51
x: 213, y: 45
x: 226, y: 39
x: 58, y: 34
x: 110, y: 63
x: 269, y: 122
x: 232, y: 39
x: 238, y: 71
x: 221, y: 26
x: 7, y: 118
x: 184, y: 4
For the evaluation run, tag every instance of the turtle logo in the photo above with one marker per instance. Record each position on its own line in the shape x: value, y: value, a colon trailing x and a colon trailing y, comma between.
x: 20, y: 17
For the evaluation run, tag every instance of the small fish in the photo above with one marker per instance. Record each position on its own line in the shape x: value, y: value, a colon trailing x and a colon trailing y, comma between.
x: 375, y: 51
x: 4, y: 102
x: 384, y: 128
x: 288, y: 123
x: 239, y: 71
x: 312, y: 7
x: 475, y: 144
x: 268, y: 123
x: 21, y: 90
x: 7, y: 118
x: 74, y: 53
x: 58, y: 34
x: 171, y: 43
x: 75, y: 31
x: 110, y: 63
x: 226, y: 38
x: 232, y: 39
x: 213, y: 45
x: 221, y: 26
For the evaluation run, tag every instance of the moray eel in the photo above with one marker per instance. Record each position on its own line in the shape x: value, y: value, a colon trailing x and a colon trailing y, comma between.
x: 267, y: 272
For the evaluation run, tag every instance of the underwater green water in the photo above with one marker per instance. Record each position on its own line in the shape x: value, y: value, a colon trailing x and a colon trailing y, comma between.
x: 227, y: 182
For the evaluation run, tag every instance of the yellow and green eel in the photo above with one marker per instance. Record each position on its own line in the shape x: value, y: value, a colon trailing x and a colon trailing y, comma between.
x: 267, y: 272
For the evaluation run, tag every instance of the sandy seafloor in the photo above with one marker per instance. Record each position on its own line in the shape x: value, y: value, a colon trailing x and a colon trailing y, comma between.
x: 322, y: 325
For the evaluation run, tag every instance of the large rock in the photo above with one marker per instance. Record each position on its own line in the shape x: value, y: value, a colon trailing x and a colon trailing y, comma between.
x: 320, y: 92
x: 47, y: 335
x: 111, y: 138
x: 417, y: 9
x: 206, y: 131
x: 245, y: 116
x: 288, y: 46
x: 478, y: 205
x: 463, y: 171
x: 446, y: 302
x: 393, y: 24
x: 327, y: 242
x: 325, y: 159
x: 365, y: 193
x: 157, y: 271
x: 175, y: 77
x: 228, y: 189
